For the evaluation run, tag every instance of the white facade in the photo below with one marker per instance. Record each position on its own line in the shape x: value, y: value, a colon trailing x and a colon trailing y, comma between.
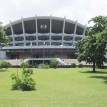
x: 45, y: 31
x: 2, y: 55
x: 52, y: 36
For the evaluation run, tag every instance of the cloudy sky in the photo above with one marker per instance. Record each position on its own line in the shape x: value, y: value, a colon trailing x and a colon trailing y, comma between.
x: 81, y: 10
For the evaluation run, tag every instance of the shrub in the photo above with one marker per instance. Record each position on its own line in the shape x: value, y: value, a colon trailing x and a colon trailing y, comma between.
x: 80, y: 65
x: 4, y: 64
x: 46, y: 66
x: 36, y: 65
x: 30, y: 71
x: 53, y: 63
x: 24, y: 65
x: 40, y: 65
x: 17, y: 82
x: 25, y: 82
x: 73, y: 65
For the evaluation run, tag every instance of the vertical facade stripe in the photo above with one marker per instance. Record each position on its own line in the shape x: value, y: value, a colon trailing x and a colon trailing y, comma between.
x: 50, y: 30
x: 63, y: 30
x: 75, y: 29
x: 23, y: 29
x: 84, y: 30
x: 12, y: 33
x: 36, y: 22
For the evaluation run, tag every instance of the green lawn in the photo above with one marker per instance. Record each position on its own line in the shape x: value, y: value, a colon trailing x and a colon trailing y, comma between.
x: 65, y: 87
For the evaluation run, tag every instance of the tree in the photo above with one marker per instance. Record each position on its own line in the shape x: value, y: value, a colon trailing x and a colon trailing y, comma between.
x: 24, y: 81
x: 3, y: 38
x: 92, y: 49
x: 53, y: 63
x: 99, y: 25
x: 4, y: 64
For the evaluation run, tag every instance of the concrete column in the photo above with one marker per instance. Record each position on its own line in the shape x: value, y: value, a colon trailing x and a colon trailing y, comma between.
x: 12, y: 33
x: 23, y: 28
x: 36, y: 29
x: 75, y: 29
x: 63, y: 30
x: 84, y: 30
x: 50, y: 30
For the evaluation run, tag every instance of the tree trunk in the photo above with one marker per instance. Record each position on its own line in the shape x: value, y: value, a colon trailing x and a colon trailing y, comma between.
x: 93, y: 66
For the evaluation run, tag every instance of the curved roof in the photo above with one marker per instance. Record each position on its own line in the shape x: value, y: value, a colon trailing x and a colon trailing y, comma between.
x: 43, y: 25
x: 43, y: 17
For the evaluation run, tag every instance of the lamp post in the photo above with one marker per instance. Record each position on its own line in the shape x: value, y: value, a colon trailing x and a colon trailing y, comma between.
x: 1, y: 45
x: 31, y: 55
x: 43, y: 51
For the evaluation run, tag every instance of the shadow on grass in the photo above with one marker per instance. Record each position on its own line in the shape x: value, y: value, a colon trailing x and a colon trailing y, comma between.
x: 96, y: 76
x: 3, y: 70
x: 97, y: 72
x: 100, y: 77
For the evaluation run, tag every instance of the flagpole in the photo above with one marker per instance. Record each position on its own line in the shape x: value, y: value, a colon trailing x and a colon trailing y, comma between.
x: 43, y: 51
x: 31, y: 55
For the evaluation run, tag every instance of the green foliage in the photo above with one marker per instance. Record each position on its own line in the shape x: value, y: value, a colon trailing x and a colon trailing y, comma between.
x: 100, y: 24
x: 24, y: 82
x: 73, y: 65
x: 4, y: 64
x: 35, y: 65
x: 40, y: 65
x: 27, y: 83
x: 80, y: 65
x: 53, y: 63
x: 24, y: 65
x: 30, y: 71
x: 16, y: 82
x: 46, y: 66
x: 3, y: 38
x: 92, y: 49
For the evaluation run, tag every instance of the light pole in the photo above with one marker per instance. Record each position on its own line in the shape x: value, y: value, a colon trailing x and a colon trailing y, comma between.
x: 43, y: 51
x: 31, y: 55
x: 1, y: 45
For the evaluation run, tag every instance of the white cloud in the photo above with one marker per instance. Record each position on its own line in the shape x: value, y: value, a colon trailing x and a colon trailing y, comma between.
x: 81, y: 10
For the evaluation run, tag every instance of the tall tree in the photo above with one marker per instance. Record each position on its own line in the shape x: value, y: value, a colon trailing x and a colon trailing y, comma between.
x: 99, y: 25
x: 92, y: 49
x: 3, y: 39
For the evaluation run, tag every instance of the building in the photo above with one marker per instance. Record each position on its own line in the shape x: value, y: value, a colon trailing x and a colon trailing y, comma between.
x: 43, y: 37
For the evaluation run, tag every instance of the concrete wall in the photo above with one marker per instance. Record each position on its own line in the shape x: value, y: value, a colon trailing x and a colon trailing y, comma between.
x: 24, y: 56
x: 2, y: 55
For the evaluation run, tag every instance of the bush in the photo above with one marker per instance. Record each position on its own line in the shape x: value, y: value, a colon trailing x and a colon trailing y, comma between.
x: 25, y: 81
x: 46, y: 66
x: 4, y: 64
x: 30, y: 71
x: 53, y: 63
x: 24, y: 65
x: 80, y: 65
x: 73, y: 65
x: 17, y: 82
x: 35, y: 65
x: 40, y: 65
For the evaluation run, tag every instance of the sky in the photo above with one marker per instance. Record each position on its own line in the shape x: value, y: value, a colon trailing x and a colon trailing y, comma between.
x: 81, y: 10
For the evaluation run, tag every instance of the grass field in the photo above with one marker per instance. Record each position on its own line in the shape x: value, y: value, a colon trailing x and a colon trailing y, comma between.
x: 68, y: 87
